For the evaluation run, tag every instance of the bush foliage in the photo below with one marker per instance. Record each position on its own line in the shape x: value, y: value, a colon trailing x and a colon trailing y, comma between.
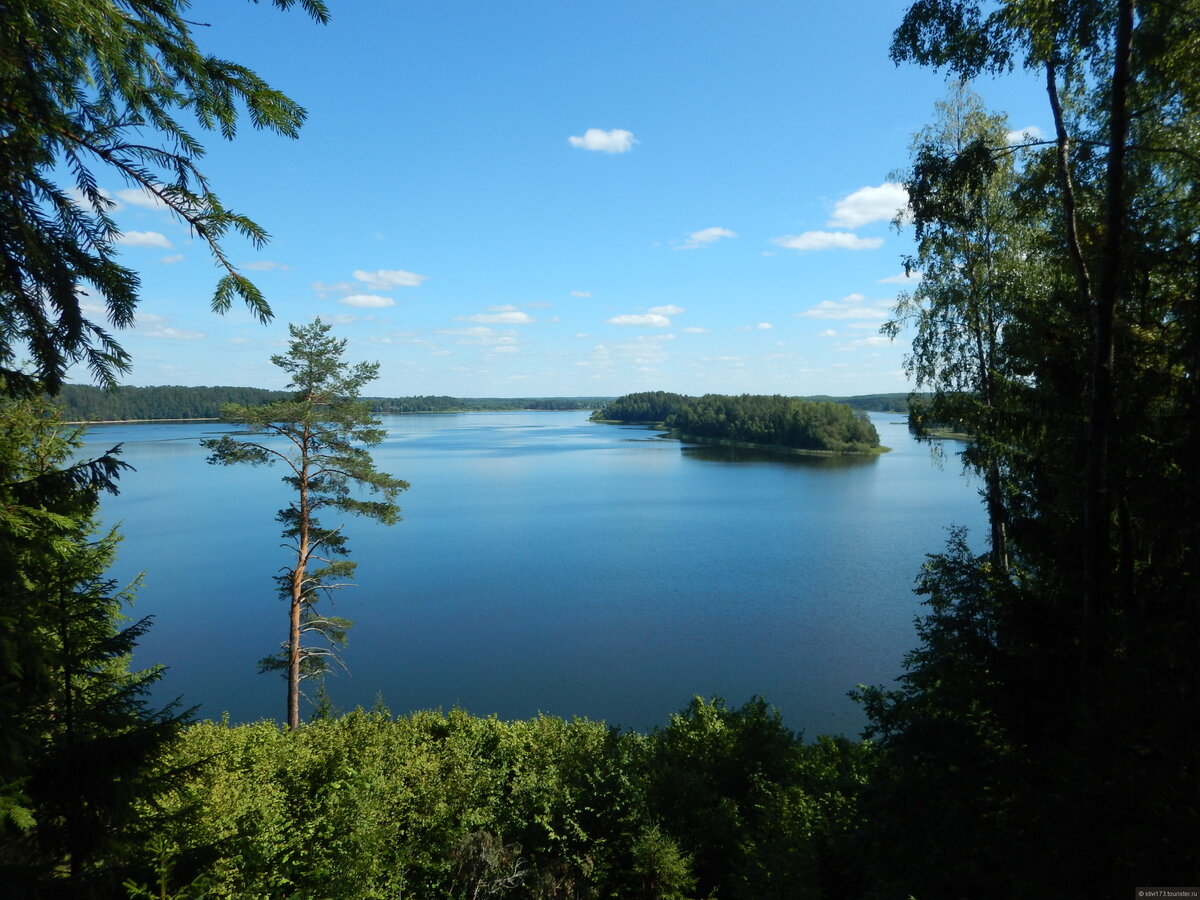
x: 720, y: 801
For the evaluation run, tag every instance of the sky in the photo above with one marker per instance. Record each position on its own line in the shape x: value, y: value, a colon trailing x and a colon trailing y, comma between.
x: 535, y: 198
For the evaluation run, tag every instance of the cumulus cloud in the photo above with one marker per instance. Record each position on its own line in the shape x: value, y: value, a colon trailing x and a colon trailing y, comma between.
x: 647, y: 320
x: 166, y: 332
x: 109, y: 203
x: 852, y: 306
x: 877, y: 340
x: 480, y: 336
x: 583, y: 295
x: 902, y: 278
x: 827, y: 240
x: 1025, y: 135
x: 265, y: 265
x: 764, y: 326
x: 669, y: 310
x: 140, y: 197
x: 338, y: 287
x: 144, y: 239
x: 643, y: 350
x: 367, y: 301
x: 172, y: 259
x: 389, y: 279
x: 499, y: 315
x: 704, y: 237
x: 697, y: 330
x: 616, y: 141
x: 152, y: 326
x: 869, y: 204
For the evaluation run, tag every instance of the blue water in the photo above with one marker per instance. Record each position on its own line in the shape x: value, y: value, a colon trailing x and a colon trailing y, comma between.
x: 546, y: 563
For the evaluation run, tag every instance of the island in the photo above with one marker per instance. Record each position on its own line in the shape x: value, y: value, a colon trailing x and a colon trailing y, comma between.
x: 768, y: 422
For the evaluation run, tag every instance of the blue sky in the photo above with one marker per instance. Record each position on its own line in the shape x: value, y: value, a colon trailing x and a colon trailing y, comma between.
x: 537, y: 198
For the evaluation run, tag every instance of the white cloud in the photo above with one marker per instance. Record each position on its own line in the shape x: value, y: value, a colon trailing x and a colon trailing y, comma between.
x: 852, y: 306
x: 109, y: 204
x: 265, y: 265
x: 581, y: 294
x: 389, y: 279
x: 643, y: 350
x: 704, y: 237
x: 827, y: 240
x: 828, y: 332
x: 367, y: 301
x: 764, y: 326
x: 506, y: 348
x: 172, y: 259
x: 499, y: 315
x: 616, y: 141
x: 697, y: 330
x: 869, y: 204
x: 669, y: 310
x: 649, y: 320
x: 144, y: 239
x: 877, y: 340
x: 152, y: 326
x: 1025, y: 135
x: 338, y: 287
x: 902, y: 278
x: 140, y: 197
x: 480, y: 336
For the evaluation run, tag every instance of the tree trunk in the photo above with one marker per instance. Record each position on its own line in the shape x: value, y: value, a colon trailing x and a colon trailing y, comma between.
x: 297, y: 600
x: 1097, y: 508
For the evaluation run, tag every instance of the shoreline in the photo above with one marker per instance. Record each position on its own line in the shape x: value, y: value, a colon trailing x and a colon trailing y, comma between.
x: 138, y: 421
x: 673, y: 435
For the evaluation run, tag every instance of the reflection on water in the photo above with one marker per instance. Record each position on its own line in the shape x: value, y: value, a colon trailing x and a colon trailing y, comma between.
x: 722, y: 454
x: 547, y: 563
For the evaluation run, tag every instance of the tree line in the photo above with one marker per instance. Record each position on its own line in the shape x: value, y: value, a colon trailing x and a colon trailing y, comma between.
x: 1041, y: 741
x: 88, y: 403
x: 761, y: 420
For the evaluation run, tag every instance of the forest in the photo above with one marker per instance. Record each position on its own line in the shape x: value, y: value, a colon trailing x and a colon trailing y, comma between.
x: 1041, y: 741
x: 88, y: 403
x: 772, y: 422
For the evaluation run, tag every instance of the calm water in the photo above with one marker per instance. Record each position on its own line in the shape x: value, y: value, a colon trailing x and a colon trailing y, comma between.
x: 549, y: 564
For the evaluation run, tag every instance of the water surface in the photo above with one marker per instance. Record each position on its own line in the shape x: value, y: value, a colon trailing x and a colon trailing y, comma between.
x: 546, y: 563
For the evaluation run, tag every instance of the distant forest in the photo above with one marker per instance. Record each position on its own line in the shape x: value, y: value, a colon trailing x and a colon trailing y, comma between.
x: 767, y: 421
x: 84, y: 403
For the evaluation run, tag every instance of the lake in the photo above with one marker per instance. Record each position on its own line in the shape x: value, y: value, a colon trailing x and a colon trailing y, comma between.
x: 547, y: 563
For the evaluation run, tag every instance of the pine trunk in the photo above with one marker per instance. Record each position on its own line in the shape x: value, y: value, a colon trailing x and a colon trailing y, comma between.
x: 297, y: 602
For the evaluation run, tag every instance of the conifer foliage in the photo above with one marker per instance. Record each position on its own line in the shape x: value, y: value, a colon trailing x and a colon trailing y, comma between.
x: 78, y: 740
x: 320, y: 436
x: 94, y: 89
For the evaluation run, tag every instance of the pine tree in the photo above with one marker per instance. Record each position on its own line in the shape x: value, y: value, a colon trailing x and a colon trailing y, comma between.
x: 320, y: 436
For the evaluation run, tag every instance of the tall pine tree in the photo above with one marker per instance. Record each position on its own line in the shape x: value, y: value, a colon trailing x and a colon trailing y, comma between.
x: 320, y: 436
